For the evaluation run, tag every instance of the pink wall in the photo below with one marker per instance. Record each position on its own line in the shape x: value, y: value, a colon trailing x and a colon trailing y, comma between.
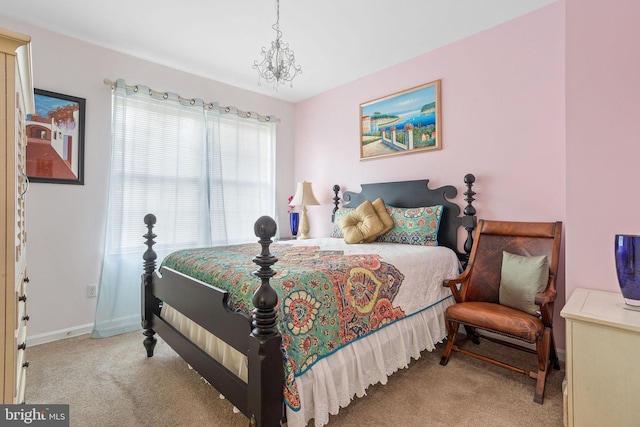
x: 603, y: 151
x: 502, y: 120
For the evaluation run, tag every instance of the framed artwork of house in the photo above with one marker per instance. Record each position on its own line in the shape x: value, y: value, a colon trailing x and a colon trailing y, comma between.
x: 55, y: 139
x: 402, y: 123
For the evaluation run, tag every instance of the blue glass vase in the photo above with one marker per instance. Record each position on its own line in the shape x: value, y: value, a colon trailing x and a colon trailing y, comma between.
x: 628, y: 267
x: 294, y: 222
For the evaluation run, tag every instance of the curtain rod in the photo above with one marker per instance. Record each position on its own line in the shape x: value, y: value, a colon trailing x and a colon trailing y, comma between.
x: 207, y: 105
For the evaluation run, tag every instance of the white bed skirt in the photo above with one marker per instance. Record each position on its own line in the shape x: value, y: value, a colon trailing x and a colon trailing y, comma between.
x: 333, y: 381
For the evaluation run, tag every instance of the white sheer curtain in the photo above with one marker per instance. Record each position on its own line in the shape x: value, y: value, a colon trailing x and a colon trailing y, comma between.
x: 206, y: 176
x: 242, y: 176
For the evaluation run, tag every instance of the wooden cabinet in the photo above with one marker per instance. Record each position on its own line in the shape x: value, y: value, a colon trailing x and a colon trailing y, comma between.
x: 16, y: 101
x: 603, y: 373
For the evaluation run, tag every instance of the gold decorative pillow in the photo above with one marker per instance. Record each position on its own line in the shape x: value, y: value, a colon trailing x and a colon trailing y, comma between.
x: 384, y: 216
x: 361, y: 224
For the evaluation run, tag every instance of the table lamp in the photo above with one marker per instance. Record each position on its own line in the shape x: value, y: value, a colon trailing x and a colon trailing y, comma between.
x: 303, y: 197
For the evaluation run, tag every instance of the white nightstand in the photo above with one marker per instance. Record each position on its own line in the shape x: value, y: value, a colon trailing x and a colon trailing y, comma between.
x: 602, y: 360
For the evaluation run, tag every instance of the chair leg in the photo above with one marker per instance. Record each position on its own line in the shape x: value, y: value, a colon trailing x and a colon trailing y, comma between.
x: 553, y: 356
x: 543, y: 350
x: 471, y: 333
x: 452, y: 329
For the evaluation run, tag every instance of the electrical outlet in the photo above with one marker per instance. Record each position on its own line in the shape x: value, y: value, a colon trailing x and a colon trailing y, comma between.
x: 92, y: 291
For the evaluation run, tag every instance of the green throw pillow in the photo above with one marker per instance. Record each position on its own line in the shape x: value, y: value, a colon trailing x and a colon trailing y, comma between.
x: 521, y: 279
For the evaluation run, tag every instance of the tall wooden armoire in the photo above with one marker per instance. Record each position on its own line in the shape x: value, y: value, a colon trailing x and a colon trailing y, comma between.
x: 16, y: 101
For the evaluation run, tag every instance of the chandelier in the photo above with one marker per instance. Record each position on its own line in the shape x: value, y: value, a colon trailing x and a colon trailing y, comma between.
x: 278, y: 64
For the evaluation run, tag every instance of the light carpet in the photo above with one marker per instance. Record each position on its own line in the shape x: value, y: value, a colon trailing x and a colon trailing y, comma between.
x: 110, y: 382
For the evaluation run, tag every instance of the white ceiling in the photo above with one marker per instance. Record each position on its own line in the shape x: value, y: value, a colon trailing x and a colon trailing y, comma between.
x: 335, y: 41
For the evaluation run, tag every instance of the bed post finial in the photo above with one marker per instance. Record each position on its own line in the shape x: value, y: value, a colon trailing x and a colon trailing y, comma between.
x: 265, y: 298
x: 149, y: 258
x: 265, y: 354
x: 149, y: 255
x: 469, y: 220
x: 336, y: 201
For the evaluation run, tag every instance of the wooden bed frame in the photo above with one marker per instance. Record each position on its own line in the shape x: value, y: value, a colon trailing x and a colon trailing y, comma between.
x: 256, y: 336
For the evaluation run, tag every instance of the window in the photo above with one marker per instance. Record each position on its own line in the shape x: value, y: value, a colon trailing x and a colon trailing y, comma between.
x: 207, y: 176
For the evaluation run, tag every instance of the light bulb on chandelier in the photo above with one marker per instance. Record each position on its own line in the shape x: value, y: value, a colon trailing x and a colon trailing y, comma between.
x: 278, y: 64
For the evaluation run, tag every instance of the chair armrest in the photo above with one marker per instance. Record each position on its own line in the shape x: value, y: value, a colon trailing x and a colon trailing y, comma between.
x: 452, y: 284
x: 545, y: 301
x: 546, y: 297
x: 549, y: 295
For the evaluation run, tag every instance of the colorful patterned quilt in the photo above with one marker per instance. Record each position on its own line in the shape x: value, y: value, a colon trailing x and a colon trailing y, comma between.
x: 326, y: 299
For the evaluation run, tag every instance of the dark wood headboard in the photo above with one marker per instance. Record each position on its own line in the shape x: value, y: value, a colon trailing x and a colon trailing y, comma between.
x: 412, y: 194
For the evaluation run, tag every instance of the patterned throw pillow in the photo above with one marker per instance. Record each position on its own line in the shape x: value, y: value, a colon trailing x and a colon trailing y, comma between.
x: 340, y: 213
x: 414, y: 226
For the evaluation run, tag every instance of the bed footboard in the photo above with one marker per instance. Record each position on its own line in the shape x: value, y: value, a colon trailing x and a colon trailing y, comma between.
x: 257, y: 337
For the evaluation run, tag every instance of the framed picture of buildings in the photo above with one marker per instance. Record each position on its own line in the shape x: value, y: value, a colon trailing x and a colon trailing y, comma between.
x: 402, y: 123
x: 55, y: 139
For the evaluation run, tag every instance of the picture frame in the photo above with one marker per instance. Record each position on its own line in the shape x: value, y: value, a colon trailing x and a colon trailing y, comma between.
x: 55, y: 139
x: 402, y: 123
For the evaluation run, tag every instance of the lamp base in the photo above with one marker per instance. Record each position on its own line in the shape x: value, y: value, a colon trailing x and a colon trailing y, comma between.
x: 304, y: 224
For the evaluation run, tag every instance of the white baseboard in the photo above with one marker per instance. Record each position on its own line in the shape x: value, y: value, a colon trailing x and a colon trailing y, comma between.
x: 59, y: 335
